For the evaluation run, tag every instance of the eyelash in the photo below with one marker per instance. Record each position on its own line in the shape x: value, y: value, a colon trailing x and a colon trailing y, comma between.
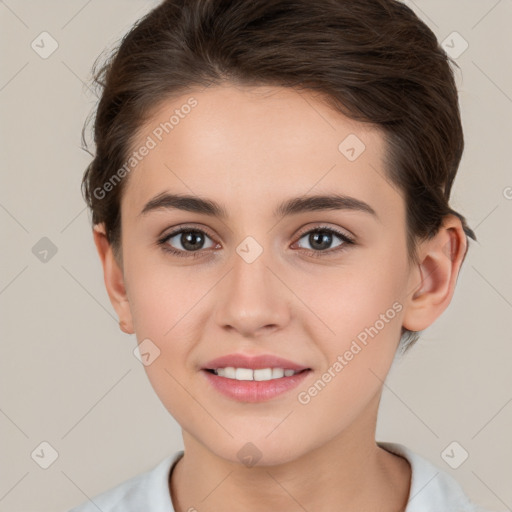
x: 194, y: 254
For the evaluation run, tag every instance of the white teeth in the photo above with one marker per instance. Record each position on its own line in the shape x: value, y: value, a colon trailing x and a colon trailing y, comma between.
x: 277, y: 373
x: 244, y: 374
x: 263, y: 374
x: 229, y: 372
x: 248, y: 374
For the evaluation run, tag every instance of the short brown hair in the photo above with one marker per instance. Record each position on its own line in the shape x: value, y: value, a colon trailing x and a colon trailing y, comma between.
x: 374, y: 61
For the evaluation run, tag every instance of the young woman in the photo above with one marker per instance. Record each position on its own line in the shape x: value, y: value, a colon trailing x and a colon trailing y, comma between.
x: 270, y: 203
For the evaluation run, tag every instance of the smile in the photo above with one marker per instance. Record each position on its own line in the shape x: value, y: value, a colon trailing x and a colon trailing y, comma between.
x: 260, y: 374
x: 248, y: 385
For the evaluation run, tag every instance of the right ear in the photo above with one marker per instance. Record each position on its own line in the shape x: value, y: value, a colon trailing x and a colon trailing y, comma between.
x: 114, y: 279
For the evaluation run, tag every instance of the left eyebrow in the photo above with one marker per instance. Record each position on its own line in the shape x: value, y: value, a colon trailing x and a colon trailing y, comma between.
x: 291, y: 206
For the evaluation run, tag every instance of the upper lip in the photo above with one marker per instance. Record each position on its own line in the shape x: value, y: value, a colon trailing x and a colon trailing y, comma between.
x: 252, y: 362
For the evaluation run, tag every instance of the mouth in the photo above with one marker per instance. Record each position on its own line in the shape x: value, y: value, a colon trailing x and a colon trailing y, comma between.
x: 253, y: 378
x: 259, y: 374
x: 249, y: 385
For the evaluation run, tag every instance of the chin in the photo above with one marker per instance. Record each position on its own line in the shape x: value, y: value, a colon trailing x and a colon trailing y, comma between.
x: 257, y: 450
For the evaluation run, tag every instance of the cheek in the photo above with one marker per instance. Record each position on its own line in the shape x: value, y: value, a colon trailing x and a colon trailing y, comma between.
x: 360, y: 309
x: 361, y: 302
x: 162, y: 303
x: 165, y: 302
x: 162, y: 297
x: 363, y: 311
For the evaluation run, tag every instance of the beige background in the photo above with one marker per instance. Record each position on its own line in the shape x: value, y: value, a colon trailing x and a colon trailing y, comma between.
x: 68, y: 374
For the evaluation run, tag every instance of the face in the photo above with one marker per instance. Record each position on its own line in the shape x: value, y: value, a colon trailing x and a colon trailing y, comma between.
x: 322, y: 288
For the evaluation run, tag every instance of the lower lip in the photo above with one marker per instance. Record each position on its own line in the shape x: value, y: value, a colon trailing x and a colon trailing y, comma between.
x: 254, y: 390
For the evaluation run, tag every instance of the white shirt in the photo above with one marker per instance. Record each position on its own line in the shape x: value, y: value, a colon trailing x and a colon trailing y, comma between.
x: 432, y: 490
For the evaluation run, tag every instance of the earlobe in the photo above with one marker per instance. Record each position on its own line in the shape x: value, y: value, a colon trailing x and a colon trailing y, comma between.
x: 433, y: 284
x: 114, y: 279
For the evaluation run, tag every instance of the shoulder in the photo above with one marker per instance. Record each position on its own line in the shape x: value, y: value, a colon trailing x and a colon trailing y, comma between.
x: 148, y: 491
x: 431, y: 489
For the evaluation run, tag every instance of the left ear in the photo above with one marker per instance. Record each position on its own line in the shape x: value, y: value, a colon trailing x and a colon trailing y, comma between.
x: 432, y: 283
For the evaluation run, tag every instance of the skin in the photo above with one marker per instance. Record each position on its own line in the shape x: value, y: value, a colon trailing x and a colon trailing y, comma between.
x: 237, y: 146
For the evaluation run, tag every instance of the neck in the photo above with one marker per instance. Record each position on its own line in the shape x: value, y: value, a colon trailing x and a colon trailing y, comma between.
x: 349, y: 472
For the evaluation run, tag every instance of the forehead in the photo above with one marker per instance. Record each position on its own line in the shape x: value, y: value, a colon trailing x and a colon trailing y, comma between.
x: 242, y: 145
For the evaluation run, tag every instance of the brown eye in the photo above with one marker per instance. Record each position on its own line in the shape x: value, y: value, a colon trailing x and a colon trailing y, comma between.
x: 321, y: 240
x: 185, y: 240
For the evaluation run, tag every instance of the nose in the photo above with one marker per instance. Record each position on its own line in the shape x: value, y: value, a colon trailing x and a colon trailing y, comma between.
x: 253, y: 301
